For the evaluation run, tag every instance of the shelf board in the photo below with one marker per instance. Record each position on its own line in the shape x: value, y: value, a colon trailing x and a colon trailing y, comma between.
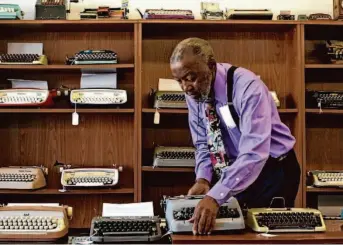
x: 151, y: 169
x: 324, y: 111
x: 69, y: 110
x: 324, y: 66
x: 70, y: 192
x: 200, y: 21
x: 64, y: 67
x: 324, y: 190
x: 185, y: 111
x: 66, y: 22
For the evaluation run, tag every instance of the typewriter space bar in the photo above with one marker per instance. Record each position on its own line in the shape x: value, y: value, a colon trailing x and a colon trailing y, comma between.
x: 130, y: 233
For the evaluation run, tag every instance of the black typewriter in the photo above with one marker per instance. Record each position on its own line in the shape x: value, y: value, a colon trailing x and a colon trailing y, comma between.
x: 22, y: 59
x: 165, y: 99
x: 324, y: 99
x: 174, y: 157
x: 125, y: 229
x: 91, y: 57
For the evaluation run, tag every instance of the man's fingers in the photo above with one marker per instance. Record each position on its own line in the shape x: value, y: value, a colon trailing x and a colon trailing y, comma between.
x: 191, y: 220
x: 208, y: 226
x: 196, y: 217
x: 202, y: 221
x: 213, y: 223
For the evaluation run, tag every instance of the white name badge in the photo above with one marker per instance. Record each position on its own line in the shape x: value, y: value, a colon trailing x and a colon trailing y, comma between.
x: 227, y: 117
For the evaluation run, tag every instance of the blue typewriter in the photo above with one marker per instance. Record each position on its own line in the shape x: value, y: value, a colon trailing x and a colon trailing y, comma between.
x: 10, y: 12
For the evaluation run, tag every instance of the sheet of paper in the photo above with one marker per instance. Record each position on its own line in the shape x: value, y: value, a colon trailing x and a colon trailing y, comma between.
x: 98, y: 79
x: 168, y: 85
x: 25, y: 48
x: 21, y: 83
x: 129, y: 209
x: 34, y: 204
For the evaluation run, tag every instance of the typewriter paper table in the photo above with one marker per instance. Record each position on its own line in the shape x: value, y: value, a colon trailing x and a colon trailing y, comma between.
x: 331, y: 236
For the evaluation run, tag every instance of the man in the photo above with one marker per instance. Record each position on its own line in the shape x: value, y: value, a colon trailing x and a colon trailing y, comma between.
x: 243, y: 147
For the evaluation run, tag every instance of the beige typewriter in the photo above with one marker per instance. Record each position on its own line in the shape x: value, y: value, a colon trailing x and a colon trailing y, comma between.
x: 23, y: 59
x: 27, y: 97
x: 249, y: 14
x: 211, y: 11
x: 23, y: 178
x: 285, y: 220
x: 98, y: 96
x: 170, y: 99
x: 174, y: 157
x: 167, y: 14
x: 327, y: 178
x: 34, y: 222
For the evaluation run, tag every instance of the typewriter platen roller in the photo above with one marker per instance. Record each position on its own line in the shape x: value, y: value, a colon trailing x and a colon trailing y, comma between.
x: 34, y: 222
x: 179, y: 209
x: 174, y: 156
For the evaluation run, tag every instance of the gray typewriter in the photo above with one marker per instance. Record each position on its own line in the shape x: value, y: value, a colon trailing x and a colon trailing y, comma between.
x: 170, y: 99
x: 180, y: 209
x: 174, y: 156
x: 211, y: 11
x: 125, y: 229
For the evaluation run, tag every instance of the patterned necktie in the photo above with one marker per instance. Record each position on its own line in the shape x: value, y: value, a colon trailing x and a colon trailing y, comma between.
x: 215, y: 142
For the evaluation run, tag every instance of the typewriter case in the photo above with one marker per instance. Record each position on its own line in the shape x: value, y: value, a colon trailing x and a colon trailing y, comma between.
x: 50, y: 11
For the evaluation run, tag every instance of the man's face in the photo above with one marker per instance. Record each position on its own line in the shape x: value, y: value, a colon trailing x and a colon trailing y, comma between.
x: 193, y: 75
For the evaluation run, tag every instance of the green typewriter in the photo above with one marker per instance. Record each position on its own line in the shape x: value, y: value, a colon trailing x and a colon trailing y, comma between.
x: 10, y: 12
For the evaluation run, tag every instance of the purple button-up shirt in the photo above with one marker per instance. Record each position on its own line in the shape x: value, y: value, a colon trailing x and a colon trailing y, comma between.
x: 261, y: 133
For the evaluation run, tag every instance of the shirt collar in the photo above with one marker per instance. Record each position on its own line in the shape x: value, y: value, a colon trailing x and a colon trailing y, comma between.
x: 219, y: 86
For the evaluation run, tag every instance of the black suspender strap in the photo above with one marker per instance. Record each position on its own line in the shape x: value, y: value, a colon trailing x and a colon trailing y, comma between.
x: 229, y: 86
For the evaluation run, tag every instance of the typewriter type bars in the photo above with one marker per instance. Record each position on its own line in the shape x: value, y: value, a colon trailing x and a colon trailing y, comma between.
x: 325, y: 99
x: 170, y: 100
x: 98, y: 96
x: 179, y: 209
x: 89, y: 177
x: 23, y: 178
x: 335, y: 51
x: 52, y: 2
x: 327, y: 178
x: 125, y: 229
x: 91, y: 57
x: 25, y: 97
x: 34, y: 223
x: 23, y: 59
x: 174, y: 157
x: 168, y: 14
x: 285, y: 220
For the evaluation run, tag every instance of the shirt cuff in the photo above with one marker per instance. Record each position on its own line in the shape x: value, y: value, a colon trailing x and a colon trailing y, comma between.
x: 204, y: 174
x: 220, y: 193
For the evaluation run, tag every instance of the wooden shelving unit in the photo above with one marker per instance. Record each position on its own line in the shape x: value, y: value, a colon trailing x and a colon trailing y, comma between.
x: 70, y: 192
x: 324, y: 190
x: 63, y: 110
x: 64, y: 67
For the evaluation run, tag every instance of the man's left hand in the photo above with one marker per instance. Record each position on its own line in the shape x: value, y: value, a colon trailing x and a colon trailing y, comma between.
x: 204, y: 216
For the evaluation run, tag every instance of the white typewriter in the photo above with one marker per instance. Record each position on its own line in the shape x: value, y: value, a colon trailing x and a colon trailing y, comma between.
x: 285, y: 220
x: 25, y: 97
x: 174, y: 156
x: 211, y: 11
x: 34, y: 222
x: 180, y: 209
x: 23, y: 178
x: 323, y: 178
x: 170, y: 99
x: 98, y: 96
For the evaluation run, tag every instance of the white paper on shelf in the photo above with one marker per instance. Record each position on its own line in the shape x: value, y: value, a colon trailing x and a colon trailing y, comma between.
x: 168, y: 85
x: 21, y: 83
x: 34, y: 204
x: 129, y: 209
x: 104, y: 78
x: 25, y: 48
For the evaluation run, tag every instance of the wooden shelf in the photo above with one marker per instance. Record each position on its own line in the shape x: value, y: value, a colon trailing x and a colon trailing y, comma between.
x: 182, y: 170
x: 239, y: 22
x: 70, y: 192
x: 324, y: 190
x: 66, y: 22
x: 324, y: 111
x: 185, y: 111
x: 39, y: 110
x: 64, y: 67
x: 324, y: 66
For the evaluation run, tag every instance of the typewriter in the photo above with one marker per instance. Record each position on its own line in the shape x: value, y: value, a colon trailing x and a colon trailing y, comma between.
x: 249, y: 14
x: 32, y: 222
x: 324, y: 99
x: 125, y: 229
x: 23, y: 178
x: 23, y: 59
x: 174, y: 157
x: 211, y: 11
x: 169, y: 99
x: 93, y: 57
x: 319, y: 16
x: 51, y: 10
x: 180, y: 209
x: 10, y: 12
x: 98, y: 96
x: 285, y: 220
x: 168, y: 14
x: 286, y: 15
x: 22, y: 97
x: 335, y: 51
x: 321, y: 178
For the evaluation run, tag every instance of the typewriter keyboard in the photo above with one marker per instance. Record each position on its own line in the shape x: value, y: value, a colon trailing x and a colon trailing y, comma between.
x: 176, y: 155
x: 169, y: 12
x: 23, y: 223
x: 90, y: 181
x: 289, y: 220
x: 224, y: 212
x: 19, y: 58
x: 96, y: 56
x: 4, y: 177
x: 100, y: 100
x: 7, y: 10
x: 327, y: 176
x: 172, y: 97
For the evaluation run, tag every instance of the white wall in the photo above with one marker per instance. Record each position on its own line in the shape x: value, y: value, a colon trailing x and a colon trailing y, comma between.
x: 296, y: 6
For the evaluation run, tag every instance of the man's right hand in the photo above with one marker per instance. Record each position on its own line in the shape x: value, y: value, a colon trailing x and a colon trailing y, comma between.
x: 201, y: 187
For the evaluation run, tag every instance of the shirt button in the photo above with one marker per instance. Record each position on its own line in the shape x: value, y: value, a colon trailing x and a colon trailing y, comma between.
x: 237, y: 179
x: 221, y: 194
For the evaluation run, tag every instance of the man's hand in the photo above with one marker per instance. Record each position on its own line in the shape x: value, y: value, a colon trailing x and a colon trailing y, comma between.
x: 204, y: 217
x: 201, y: 187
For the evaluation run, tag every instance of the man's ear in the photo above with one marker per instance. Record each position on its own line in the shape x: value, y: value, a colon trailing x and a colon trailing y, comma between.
x: 212, y: 65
